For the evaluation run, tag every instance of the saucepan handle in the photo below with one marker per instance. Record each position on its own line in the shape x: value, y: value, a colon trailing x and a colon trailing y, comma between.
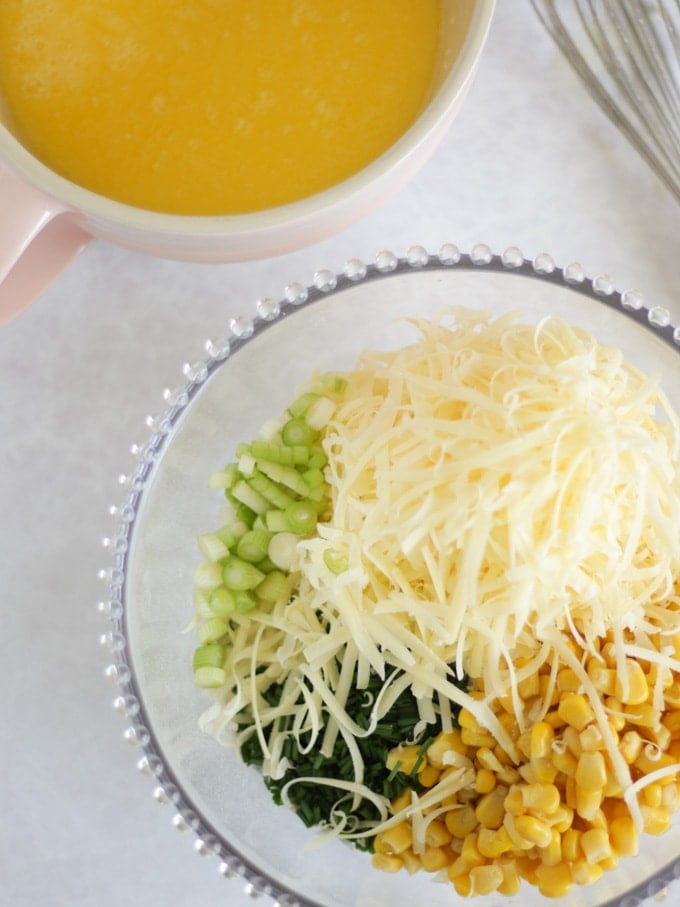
x: 39, y: 237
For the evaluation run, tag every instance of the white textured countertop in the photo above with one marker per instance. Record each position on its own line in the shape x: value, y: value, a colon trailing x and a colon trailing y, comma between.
x: 529, y: 162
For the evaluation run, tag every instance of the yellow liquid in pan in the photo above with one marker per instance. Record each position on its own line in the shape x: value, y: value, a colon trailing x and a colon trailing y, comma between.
x: 213, y: 106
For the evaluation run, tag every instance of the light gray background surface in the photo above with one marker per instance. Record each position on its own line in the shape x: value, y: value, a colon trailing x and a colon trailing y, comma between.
x: 530, y: 161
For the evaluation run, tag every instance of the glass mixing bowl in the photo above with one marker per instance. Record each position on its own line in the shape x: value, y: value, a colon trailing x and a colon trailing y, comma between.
x: 241, y: 381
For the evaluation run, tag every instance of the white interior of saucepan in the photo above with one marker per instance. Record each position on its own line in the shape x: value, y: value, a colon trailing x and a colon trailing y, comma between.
x: 255, y: 383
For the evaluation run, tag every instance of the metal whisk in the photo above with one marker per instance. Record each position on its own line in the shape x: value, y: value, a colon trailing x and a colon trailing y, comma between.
x: 627, y: 53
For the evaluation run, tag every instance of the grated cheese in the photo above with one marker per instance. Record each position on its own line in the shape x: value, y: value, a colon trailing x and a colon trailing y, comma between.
x: 498, y: 489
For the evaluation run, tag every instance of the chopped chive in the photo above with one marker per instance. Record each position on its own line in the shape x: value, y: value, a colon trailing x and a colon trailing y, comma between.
x: 395, y: 771
x: 420, y: 757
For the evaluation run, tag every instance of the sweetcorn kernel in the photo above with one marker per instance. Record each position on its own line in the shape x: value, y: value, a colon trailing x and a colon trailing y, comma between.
x: 595, y: 845
x: 532, y: 829
x: 623, y: 836
x: 512, y: 882
x: 576, y: 710
x: 485, y: 879
x: 461, y: 821
x: 655, y: 820
x: 554, y: 881
x: 585, y: 873
x: 485, y: 781
x: 543, y: 798
x: 631, y: 685
x: 591, y: 771
x: 434, y: 858
x: 428, y: 776
x: 542, y: 736
x: 437, y: 834
x: 490, y: 810
x: 386, y: 862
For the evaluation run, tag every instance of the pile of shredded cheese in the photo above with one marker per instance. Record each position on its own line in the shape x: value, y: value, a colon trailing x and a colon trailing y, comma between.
x: 499, y: 492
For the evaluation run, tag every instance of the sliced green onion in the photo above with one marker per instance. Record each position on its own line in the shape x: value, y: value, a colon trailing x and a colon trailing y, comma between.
x: 300, y: 406
x: 221, y: 602
x: 201, y: 600
x: 209, y: 678
x: 212, y: 547
x: 276, y: 521
x: 319, y: 413
x: 212, y: 630
x: 231, y: 532
x: 283, y: 548
x: 284, y: 475
x: 317, y: 458
x: 274, y: 586
x: 239, y: 575
x: 246, y: 463
x: 253, y: 546
x: 207, y: 575
x: 259, y: 523
x: 317, y: 493
x: 266, y: 565
x: 336, y: 562
x: 290, y: 455
x: 296, y: 431
x: 244, y: 493
x: 314, y: 478
x: 211, y: 655
x: 334, y: 384
x: 301, y: 517
x: 245, y: 601
x: 225, y: 478
x: 270, y: 490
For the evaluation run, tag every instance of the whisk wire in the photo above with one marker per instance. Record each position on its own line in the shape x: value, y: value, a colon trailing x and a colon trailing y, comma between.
x: 627, y: 54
